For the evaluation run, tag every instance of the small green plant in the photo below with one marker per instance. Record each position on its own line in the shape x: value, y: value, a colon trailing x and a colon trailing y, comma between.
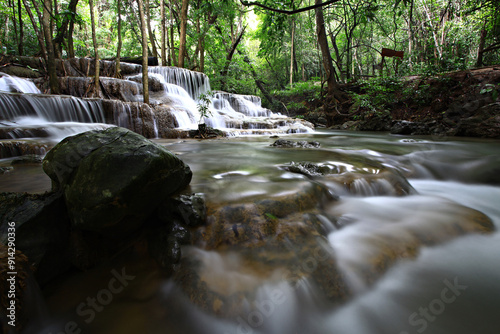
x: 271, y: 216
x: 204, y: 101
x: 490, y: 88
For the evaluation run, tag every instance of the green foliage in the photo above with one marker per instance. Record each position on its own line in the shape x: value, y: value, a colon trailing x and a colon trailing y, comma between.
x: 378, y: 93
x: 204, y: 101
x: 309, y: 89
x: 490, y: 89
x: 294, y: 106
x: 444, y: 37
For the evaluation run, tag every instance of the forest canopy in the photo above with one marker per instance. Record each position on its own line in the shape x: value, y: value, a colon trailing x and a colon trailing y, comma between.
x: 241, y: 45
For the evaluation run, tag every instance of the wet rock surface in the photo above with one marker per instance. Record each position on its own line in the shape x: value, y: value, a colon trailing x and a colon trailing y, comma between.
x: 435, y: 222
x: 367, y: 178
x: 264, y: 239
x: 42, y: 230
x: 21, y: 147
x: 113, y: 179
x: 283, y: 143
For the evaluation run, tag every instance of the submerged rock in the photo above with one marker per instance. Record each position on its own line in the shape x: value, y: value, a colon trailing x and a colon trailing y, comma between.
x: 189, y: 209
x: 113, y: 179
x: 17, y: 148
x: 278, y: 240
x: 366, y: 178
x: 290, y: 144
x: 385, y: 236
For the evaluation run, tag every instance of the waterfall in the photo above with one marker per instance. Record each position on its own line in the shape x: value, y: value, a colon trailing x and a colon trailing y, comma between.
x: 50, y: 108
x: 174, y: 94
x: 16, y: 85
x: 194, y: 83
x: 26, y: 113
x: 234, y: 113
x: 248, y: 105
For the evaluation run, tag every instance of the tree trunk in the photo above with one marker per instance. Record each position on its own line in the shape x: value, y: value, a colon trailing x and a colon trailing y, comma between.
x: 338, y: 56
x: 39, y: 35
x: 291, y: 53
x: 118, y: 71
x: 325, y: 52
x: 163, y: 34
x: 96, y: 51
x: 410, y: 37
x: 62, y: 30
x: 21, y: 28
x: 145, y: 83
x: 12, y: 5
x: 182, y: 38
x: 51, y: 60
x: 229, y: 57
x: 202, y: 54
x: 150, y: 31
x: 436, y: 42
x: 71, y: 46
x: 172, y: 43
x: 482, y: 39
x: 333, y: 92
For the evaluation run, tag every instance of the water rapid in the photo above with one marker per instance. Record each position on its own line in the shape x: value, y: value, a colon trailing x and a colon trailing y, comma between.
x: 399, y: 221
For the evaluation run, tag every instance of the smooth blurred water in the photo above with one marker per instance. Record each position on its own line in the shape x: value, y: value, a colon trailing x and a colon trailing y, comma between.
x: 452, y: 287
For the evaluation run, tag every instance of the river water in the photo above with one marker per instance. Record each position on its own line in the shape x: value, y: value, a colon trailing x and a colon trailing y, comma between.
x: 450, y: 286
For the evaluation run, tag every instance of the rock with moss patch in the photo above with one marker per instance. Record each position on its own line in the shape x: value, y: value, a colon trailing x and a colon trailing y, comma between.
x: 113, y: 179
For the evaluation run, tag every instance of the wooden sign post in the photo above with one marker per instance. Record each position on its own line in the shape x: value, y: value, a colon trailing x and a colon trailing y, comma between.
x: 391, y: 53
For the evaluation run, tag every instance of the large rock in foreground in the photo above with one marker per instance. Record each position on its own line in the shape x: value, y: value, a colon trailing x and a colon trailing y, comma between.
x: 113, y: 179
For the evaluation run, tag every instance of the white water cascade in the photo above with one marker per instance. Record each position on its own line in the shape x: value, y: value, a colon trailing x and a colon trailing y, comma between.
x: 235, y: 114
x: 16, y: 85
x: 26, y: 114
x: 29, y: 119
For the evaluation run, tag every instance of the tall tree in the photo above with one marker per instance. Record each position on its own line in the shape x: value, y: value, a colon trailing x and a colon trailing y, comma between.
x: 325, y: 51
x: 144, y: 37
x: 66, y: 18
x: 39, y: 34
x: 171, y: 24
x: 150, y: 31
x: 118, y: 72
x: 21, y: 28
x: 96, y: 51
x: 182, y: 37
x: 163, y: 34
x: 292, y: 55
x: 51, y: 60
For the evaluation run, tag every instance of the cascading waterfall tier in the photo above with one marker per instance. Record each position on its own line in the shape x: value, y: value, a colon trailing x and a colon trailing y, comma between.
x: 26, y: 113
x: 194, y: 83
x: 233, y: 113
x: 50, y: 108
x: 16, y: 85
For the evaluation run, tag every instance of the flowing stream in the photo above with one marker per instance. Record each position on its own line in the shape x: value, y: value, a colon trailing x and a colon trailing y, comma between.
x: 449, y: 285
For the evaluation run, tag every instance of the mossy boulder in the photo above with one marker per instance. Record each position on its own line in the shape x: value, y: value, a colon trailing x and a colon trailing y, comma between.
x: 113, y: 179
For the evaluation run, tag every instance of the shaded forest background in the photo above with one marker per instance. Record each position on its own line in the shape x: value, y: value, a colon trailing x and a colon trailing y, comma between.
x: 262, y: 48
